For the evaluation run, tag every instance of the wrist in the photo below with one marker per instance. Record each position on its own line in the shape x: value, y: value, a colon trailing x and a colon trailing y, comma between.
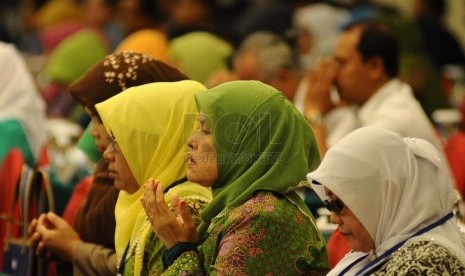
x: 70, y: 254
x: 314, y: 118
x: 171, y: 254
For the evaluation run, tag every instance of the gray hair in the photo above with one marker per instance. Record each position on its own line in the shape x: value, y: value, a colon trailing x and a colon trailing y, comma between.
x: 273, y: 53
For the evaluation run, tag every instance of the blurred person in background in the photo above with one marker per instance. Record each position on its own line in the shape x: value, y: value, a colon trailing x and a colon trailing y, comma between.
x: 22, y: 111
x: 365, y: 69
x: 143, y: 23
x: 440, y: 42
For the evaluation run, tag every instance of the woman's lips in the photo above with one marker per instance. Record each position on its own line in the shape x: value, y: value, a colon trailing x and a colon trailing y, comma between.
x: 190, y: 160
x: 112, y: 173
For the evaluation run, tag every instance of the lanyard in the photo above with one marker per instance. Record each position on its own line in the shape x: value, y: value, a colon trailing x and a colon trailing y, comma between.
x: 352, y: 265
x: 377, y: 262
x: 122, y: 261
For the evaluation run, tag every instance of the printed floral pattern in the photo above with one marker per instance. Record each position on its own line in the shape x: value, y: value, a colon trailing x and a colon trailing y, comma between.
x: 422, y: 258
x: 120, y: 70
x: 267, y: 235
x: 154, y: 248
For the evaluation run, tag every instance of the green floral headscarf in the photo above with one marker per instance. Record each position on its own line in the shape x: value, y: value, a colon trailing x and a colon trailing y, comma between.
x: 262, y: 143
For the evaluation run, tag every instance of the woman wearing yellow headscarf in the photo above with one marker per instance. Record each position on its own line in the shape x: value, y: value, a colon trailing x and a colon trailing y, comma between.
x: 148, y: 127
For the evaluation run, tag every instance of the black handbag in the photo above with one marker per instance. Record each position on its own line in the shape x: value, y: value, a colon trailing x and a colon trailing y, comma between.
x: 33, y: 196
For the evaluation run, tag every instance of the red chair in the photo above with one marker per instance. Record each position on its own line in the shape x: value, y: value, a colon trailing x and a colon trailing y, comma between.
x: 10, y: 172
x: 44, y: 158
x: 77, y: 198
x: 455, y: 152
x: 337, y: 248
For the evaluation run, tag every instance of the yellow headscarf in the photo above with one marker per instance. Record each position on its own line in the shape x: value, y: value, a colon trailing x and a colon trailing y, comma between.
x: 147, y: 41
x: 55, y: 12
x: 151, y: 124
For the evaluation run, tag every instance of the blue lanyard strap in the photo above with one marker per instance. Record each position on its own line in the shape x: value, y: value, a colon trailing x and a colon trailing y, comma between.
x: 349, y: 267
x: 121, y: 263
x: 375, y: 263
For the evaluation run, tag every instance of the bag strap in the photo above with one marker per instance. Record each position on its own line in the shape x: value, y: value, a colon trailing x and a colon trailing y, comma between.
x: 21, y: 191
x: 46, y: 192
x: 25, y: 198
x: 39, y: 192
x: 32, y: 183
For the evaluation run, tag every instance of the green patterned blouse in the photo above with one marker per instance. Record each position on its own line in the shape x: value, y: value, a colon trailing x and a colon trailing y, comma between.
x: 154, y: 248
x: 267, y: 235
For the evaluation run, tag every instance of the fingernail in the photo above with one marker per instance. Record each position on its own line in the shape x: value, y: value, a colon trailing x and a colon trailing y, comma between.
x: 182, y: 204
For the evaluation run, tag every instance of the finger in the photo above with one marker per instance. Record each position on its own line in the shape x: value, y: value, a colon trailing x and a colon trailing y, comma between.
x: 175, y: 201
x: 149, y: 199
x: 327, y: 73
x: 161, y: 205
x: 55, y: 220
x: 44, y: 221
x: 34, y: 239
x: 40, y: 250
x: 41, y: 220
x: 184, y: 212
x: 44, y: 227
x: 149, y: 192
x: 148, y: 212
x: 32, y: 227
x: 43, y: 231
x: 147, y: 187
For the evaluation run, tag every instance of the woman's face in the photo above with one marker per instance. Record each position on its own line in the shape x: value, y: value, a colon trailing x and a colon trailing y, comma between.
x: 118, y: 168
x: 130, y: 16
x: 202, y: 167
x: 98, y: 132
x: 350, y: 227
x: 97, y: 12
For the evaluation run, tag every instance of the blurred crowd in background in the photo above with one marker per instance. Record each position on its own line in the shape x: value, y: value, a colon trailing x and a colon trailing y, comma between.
x: 213, y: 41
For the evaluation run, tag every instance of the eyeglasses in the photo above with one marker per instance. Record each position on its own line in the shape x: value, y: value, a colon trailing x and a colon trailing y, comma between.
x: 112, y: 141
x: 336, y: 206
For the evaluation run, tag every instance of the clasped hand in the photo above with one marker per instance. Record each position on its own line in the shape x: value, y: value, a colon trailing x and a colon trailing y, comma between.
x: 52, y: 237
x: 170, y: 228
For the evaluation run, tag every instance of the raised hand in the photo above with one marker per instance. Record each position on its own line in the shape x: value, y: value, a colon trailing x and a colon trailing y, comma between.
x: 170, y: 228
x: 320, y: 80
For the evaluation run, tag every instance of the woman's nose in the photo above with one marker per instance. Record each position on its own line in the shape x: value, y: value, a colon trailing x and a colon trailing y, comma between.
x: 93, y: 131
x: 191, y: 142
x: 108, y: 154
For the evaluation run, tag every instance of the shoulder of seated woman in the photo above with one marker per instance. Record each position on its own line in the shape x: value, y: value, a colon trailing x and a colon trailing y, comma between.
x: 421, y: 252
x: 263, y: 204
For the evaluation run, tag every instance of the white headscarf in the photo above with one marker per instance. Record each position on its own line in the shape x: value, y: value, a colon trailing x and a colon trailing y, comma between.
x: 394, y: 186
x: 19, y: 98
